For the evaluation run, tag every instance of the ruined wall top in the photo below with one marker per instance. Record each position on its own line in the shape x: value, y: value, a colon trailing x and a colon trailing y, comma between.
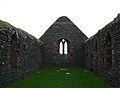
x: 5, y: 25
x: 110, y: 24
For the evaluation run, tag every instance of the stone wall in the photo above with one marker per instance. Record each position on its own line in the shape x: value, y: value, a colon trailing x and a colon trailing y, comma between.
x: 20, y: 54
x: 65, y: 29
x: 104, y: 61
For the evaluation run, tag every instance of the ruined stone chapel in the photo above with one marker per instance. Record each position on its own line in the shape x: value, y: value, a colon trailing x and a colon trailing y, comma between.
x: 63, y: 44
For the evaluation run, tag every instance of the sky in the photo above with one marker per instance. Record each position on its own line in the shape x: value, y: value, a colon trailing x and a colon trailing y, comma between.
x: 36, y: 16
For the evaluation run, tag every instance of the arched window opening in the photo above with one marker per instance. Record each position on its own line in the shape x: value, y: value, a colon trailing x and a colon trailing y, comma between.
x: 96, y: 62
x: 91, y: 61
x: 40, y: 53
x: 108, y: 51
x: 14, y: 50
x: 86, y: 54
x: 63, y: 47
x: 95, y: 46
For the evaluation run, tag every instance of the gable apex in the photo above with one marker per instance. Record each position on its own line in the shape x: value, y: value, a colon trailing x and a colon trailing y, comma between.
x: 63, y: 19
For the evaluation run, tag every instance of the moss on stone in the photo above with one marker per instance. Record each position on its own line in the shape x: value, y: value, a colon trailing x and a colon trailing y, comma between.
x: 116, y: 20
x: 4, y: 25
x: 92, y: 37
x: 64, y: 23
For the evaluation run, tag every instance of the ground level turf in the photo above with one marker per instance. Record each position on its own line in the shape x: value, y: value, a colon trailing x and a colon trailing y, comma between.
x: 53, y: 77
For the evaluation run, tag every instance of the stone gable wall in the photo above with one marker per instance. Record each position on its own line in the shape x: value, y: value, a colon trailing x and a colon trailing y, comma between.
x: 76, y: 42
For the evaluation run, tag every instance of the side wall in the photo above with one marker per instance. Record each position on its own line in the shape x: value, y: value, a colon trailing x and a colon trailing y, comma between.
x: 20, y: 55
x: 97, y: 64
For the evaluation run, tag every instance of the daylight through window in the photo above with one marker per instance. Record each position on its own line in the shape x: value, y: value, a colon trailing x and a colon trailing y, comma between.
x: 63, y: 47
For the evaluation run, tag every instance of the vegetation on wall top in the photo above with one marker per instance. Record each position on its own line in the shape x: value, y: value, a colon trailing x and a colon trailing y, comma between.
x: 4, y: 25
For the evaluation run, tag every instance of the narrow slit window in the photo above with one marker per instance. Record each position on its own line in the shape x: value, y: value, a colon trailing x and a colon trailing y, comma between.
x: 66, y: 48
x: 61, y: 48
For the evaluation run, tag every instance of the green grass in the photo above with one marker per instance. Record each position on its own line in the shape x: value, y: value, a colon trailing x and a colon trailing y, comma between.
x: 49, y: 78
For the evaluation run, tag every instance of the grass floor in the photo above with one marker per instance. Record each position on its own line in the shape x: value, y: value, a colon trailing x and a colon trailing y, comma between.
x: 53, y: 77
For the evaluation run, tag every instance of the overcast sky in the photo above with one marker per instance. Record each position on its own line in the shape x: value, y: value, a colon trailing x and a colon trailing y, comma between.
x: 36, y: 16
